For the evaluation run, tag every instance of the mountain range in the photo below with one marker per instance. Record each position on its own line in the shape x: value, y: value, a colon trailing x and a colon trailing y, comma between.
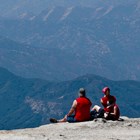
x: 28, y: 102
x: 63, y: 40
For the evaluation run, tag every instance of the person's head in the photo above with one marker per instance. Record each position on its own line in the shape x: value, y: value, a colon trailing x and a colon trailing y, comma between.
x: 82, y: 92
x: 106, y: 91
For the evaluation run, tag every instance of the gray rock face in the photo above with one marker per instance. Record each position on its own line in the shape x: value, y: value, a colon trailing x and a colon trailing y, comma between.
x: 129, y: 129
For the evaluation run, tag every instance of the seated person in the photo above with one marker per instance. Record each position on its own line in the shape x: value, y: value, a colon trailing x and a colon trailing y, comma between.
x: 111, y: 110
x: 80, y: 110
x: 107, y: 97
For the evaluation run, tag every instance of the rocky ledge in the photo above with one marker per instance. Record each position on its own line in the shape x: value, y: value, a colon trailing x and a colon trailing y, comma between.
x: 99, y: 129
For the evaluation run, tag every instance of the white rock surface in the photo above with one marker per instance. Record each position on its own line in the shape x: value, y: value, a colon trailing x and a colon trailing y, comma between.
x: 129, y: 129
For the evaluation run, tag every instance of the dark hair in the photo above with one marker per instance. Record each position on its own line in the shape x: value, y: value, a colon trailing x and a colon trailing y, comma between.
x: 82, y: 91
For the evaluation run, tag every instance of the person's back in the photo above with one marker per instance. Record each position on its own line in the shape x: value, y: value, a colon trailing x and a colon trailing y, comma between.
x: 82, y: 111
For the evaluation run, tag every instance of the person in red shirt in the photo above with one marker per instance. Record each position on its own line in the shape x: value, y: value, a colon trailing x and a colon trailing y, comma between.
x: 111, y: 110
x: 105, y: 101
x: 80, y: 110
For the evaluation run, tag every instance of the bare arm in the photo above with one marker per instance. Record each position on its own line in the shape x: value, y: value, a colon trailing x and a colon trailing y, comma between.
x: 72, y: 110
x: 102, y: 102
x: 115, y: 112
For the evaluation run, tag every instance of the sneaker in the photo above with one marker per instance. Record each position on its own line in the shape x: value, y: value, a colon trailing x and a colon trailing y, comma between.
x: 52, y: 120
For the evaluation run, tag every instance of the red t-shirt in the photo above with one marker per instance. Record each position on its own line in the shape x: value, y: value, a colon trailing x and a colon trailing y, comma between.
x: 106, y: 100
x: 82, y: 112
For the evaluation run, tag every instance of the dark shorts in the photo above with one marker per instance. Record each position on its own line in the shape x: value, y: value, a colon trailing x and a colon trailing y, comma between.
x: 94, y: 114
x: 101, y: 112
x: 71, y: 119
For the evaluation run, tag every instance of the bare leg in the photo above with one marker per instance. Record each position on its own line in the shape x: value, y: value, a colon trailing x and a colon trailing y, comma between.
x: 62, y: 120
x: 96, y: 107
x: 53, y: 120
